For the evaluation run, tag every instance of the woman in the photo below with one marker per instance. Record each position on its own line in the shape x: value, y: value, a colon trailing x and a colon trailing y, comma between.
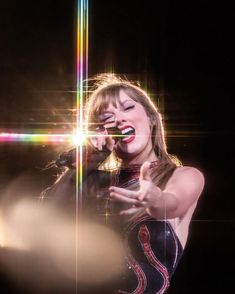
x: 156, y: 194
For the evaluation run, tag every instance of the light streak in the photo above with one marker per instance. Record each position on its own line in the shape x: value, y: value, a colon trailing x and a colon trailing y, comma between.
x: 41, y: 138
x: 82, y: 74
x: 76, y: 139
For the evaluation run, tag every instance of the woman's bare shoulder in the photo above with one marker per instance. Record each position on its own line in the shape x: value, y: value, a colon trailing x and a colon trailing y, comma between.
x: 188, y: 180
x: 188, y: 171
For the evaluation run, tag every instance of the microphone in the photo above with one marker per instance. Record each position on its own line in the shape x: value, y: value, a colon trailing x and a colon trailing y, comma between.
x: 115, y: 133
x: 67, y: 159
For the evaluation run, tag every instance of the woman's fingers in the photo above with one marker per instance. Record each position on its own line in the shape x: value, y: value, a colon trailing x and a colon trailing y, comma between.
x: 110, y: 143
x: 111, y: 124
x: 95, y: 141
x: 131, y: 210
x: 102, y: 140
x: 125, y: 192
x: 98, y: 141
x: 138, y: 198
x: 145, y: 171
x: 124, y: 199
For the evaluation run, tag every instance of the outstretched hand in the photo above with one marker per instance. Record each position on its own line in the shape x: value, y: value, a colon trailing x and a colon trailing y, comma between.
x: 147, y: 196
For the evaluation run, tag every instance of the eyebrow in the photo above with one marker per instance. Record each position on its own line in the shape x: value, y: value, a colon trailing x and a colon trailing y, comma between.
x: 127, y: 101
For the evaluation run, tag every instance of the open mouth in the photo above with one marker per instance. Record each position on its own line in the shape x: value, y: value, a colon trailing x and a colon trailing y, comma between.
x: 128, y: 135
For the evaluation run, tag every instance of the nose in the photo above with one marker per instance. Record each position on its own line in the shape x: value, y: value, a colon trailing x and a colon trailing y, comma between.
x: 120, y: 117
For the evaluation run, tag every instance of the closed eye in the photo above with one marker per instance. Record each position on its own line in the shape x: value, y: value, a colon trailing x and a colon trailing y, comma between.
x: 129, y: 107
x: 106, y: 117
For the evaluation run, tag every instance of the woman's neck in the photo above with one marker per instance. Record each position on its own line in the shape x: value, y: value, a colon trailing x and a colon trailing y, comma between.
x: 141, y: 158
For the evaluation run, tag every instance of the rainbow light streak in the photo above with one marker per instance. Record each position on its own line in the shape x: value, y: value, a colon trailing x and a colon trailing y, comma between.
x: 41, y: 138
x: 82, y: 74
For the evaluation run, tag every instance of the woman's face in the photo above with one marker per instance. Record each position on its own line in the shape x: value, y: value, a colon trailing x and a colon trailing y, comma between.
x: 131, y: 119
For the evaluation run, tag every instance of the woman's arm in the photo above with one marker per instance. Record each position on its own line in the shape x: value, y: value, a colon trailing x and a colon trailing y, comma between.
x: 181, y: 192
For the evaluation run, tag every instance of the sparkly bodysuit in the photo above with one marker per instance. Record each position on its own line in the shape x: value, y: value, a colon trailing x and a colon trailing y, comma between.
x: 153, y: 248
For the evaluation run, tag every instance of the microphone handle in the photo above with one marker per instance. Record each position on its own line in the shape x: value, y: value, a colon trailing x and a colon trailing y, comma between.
x: 69, y: 158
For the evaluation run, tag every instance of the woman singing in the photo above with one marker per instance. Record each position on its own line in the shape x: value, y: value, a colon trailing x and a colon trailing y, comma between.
x: 149, y: 195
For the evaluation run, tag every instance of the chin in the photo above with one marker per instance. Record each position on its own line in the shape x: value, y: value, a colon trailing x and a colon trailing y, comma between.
x: 128, y: 152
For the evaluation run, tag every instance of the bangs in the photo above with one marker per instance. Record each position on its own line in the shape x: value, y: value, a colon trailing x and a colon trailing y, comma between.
x: 106, y: 96
x: 111, y: 94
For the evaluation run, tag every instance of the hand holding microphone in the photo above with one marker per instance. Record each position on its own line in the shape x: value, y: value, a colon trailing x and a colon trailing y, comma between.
x: 104, y: 140
x: 106, y: 137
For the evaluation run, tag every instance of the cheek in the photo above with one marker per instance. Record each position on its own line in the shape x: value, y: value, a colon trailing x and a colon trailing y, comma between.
x: 144, y: 124
x: 141, y: 117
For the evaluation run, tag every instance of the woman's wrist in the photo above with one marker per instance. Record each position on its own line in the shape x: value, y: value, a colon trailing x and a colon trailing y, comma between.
x: 164, y: 206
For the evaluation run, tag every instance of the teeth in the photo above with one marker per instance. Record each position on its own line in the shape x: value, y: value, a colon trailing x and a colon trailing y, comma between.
x: 127, y: 130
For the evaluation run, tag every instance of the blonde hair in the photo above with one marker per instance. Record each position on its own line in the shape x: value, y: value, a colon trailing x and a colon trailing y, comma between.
x: 107, y: 89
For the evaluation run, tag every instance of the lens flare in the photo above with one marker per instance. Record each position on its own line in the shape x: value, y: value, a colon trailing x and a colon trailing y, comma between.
x: 33, y: 228
x: 79, y: 138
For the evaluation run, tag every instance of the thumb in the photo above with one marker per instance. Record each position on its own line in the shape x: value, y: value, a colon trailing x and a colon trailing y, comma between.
x: 145, y: 171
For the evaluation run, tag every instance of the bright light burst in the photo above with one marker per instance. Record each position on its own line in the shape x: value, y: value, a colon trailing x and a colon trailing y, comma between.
x: 79, y: 137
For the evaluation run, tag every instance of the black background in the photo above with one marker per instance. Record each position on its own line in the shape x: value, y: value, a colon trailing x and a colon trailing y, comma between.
x: 181, y: 50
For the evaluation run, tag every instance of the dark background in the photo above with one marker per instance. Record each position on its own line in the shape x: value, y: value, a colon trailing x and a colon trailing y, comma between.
x: 182, y: 53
